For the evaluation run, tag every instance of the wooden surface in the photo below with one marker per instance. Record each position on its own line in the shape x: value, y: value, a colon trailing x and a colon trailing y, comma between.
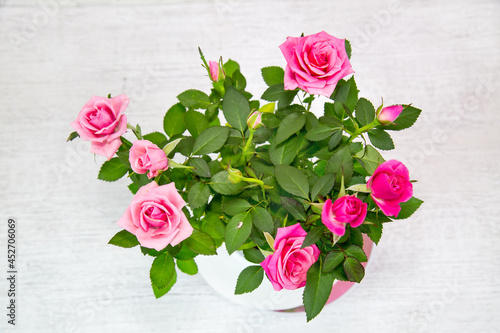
x: 437, y: 272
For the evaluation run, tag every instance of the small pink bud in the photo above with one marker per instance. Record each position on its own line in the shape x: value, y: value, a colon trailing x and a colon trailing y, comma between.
x: 214, y: 70
x: 254, y: 121
x: 388, y: 114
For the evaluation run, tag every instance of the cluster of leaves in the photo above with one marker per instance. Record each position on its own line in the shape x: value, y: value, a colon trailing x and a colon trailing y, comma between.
x: 291, y: 163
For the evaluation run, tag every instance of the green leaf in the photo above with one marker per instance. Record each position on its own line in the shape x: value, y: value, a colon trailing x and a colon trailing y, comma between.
x: 210, y: 140
x: 162, y: 270
x: 185, y: 146
x: 239, y: 81
x: 155, y: 137
x: 220, y: 183
x: 295, y: 208
x: 72, y: 136
x: 169, y: 147
x: 161, y: 292
x: 201, y: 243
x: 196, y: 122
x: 249, y: 279
x: 195, y: 99
x: 353, y: 269
x: 341, y: 164
x: 408, y: 208
x: 356, y: 252
x: 332, y: 260
x: 292, y: 180
x: 286, y: 152
x: 273, y: 75
x: 237, y: 231
x: 213, y: 225
x: 380, y: 139
x: 253, y: 255
x: 318, y: 288
x: 348, y: 48
x: 173, y: 123
x: 356, y: 237
x: 313, y: 236
x: 365, y: 112
x: 112, y: 170
x: 235, y: 206
x: 124, y: 239
x: 375, y: 232
x: 323, y: 186
x: 289, y: 126
x: 188, y: 266
x: 320, y: 132
x: 277, y: 93
x: 370, y: 159
x: 235, y: 108
x: 262, y: 220
x: 198, y: 195
x: 200, y: 166
x: 230, y: 67
x: 405, y: 120
x: 346, y: 92
x: 335, y: 139
x: 185, y: 253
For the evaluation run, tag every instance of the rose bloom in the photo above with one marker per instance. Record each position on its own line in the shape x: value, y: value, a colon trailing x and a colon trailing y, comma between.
x: 390, y: 185
x: 102, y: 122
x: 254, y: 121
x: 315, y: 63
x: 145, y: 156
x: 388, y: 114
x: 345, y: 210
x: 155, y: 217
x: 287, y: 267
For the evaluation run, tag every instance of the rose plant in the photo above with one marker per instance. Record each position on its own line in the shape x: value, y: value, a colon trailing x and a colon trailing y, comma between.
x: 293, y: 190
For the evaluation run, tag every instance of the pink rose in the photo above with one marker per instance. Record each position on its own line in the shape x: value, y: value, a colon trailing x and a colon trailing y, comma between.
x: 254, y: 121
x: 315, y: 63
x: 346, y: 209
x: 390, y: 185
x: 145, y: 156
x: 287, y: 267
x: 214, y: 70
x: 388, y: 114
x: 102, y: 122
x: 155, y: 216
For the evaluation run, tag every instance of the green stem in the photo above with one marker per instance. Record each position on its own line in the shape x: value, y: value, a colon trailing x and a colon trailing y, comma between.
x: 363, y: 129
x: 247, y: 146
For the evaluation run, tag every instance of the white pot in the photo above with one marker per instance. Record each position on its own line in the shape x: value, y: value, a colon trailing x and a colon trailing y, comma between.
x: 222, y: 271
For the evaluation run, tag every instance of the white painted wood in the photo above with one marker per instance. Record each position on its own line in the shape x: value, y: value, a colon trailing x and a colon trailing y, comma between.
x: 437, y: 272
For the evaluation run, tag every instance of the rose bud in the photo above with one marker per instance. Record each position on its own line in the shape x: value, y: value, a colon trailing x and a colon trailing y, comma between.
x: 254, y: 121
x: 214, y: 70
x: 234, y: 175
x: 390, y: 185
x: 388, y: 114
x: 145, y: 156
x: 345, y: 210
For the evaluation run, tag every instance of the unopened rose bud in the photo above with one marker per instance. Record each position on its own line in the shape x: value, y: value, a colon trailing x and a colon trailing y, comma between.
x: 254, y: 121
x: 388, y: 114
x: 234, y: 175
x: 214, y: 70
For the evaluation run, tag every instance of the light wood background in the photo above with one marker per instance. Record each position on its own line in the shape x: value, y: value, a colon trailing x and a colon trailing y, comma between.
x: 436, y: 272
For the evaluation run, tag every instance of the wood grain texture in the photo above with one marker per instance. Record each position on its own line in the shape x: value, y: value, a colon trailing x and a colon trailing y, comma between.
x: 437, y: 272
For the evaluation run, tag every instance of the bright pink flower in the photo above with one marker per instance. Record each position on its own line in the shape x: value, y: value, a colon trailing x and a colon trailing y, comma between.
x: 214, y: 70
x: 388, y: 114
x: 145, y: 156
x: 155, y: 217
x: 102, y: 122
x: 346, y: 209
x: 390, y: 185
x: 287, y: 267
x: 254, y: 121
x: 315, y: 63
